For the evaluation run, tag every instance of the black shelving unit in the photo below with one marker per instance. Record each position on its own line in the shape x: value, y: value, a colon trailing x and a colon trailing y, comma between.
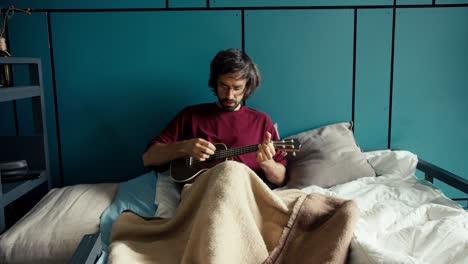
x: 32, y: 148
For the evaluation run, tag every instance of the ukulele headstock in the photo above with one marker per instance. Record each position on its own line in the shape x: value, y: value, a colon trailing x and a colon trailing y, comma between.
x: 290, y: 145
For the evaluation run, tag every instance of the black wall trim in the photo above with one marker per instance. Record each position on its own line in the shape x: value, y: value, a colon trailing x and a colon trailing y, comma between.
x: 244, y: 102
x: 246, y: 8
x: 354, y: 65
x: 208, y: 3
x: 54, y: 88
x: 392, y: 66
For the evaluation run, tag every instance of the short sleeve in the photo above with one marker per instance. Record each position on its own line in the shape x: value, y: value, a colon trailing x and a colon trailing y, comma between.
x: 172, y: 133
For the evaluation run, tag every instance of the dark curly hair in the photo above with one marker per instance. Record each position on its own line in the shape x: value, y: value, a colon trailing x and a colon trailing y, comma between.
x: 234, y: 61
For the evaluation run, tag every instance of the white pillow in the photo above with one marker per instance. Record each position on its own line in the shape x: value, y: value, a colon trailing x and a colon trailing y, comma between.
x: 167, y: 195
x: 399, y: 162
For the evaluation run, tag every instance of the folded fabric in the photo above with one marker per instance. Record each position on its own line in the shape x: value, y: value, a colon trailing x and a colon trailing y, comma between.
x: 136, y: 195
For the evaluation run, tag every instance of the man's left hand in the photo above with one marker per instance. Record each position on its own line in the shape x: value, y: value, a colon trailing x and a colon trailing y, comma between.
x: 266, y: 150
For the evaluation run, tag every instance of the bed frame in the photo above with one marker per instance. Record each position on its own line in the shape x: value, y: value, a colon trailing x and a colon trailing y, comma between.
x: 89, y: 249
x: 431, y: 171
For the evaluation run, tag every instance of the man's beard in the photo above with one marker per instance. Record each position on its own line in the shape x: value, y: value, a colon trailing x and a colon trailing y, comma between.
x: 228, y: 108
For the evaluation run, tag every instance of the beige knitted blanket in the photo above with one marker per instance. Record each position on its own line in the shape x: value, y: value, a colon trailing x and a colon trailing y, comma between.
x: 230, y: 216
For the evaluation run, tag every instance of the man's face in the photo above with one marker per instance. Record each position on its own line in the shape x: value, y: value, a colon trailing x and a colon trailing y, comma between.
x: 230, y: 90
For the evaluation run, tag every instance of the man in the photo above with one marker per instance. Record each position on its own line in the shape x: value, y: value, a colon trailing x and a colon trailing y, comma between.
x: 228, y: 215
x: 234, y: 78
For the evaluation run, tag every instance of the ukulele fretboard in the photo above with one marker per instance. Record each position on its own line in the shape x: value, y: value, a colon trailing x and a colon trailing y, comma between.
x: 227, y: 153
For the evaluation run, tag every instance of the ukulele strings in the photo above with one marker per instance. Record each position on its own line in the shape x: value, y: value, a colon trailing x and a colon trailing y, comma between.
x: 226, y: 153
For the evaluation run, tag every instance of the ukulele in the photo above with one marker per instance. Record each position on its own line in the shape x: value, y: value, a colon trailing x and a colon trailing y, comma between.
x: 185, y: 169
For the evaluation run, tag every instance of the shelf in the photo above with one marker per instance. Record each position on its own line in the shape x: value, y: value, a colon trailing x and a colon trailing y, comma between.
x: 14, y: 190
x: 19, y: 92
x: 13, y: 60
x: 34, y: 148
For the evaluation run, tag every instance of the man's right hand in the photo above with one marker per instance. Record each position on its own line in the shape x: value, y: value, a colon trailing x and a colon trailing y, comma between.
x: 199, y: 148
x: 160, y: 153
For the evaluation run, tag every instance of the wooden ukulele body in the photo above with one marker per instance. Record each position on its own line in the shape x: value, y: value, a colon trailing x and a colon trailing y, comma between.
x: 187, y: 169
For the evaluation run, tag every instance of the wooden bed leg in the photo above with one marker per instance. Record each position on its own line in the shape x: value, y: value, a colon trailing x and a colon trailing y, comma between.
x: 88, y: 250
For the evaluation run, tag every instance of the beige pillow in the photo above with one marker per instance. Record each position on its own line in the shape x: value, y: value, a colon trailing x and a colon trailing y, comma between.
x: 329, y: 156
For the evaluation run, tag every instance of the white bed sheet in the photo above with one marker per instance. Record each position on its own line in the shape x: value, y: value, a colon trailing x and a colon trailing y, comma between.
x: 403, y: 219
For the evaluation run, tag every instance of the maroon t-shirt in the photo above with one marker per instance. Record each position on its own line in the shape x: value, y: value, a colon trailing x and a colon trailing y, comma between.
x: 235, y: 129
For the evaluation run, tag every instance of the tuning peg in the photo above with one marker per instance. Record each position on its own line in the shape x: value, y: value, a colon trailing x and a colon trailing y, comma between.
x: 294, y: 154
x: 285, y: 154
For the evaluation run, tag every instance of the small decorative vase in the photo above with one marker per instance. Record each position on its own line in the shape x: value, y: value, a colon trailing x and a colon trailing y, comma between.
x: 5, y: 69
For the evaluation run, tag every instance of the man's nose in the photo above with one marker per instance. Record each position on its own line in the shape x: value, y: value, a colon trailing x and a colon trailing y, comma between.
x: 231, y: 92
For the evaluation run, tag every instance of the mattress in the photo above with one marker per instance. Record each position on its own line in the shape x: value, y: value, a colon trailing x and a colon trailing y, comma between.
x: 51, y: 231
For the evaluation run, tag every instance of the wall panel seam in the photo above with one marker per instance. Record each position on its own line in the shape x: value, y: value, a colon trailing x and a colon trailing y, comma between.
x: 54, y: 89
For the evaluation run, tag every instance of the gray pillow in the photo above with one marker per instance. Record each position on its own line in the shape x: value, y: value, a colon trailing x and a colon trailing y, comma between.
x: 329, y: 156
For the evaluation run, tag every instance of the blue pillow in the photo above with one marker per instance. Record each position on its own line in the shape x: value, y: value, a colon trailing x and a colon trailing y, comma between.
x: 136, y: 195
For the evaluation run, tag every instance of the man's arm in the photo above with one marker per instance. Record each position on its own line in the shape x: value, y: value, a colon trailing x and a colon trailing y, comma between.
x: 160, y: 153
x: 275, y: 172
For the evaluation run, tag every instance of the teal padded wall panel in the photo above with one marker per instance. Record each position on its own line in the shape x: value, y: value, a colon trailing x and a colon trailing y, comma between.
x: 25, y: 117
x: 24, y: 30
x: 24, y: 107
x: 7, y: 119
x: 89, y: 4
x: 373, y: 63
x: 451, y: 1
x: 306, y: 58
x: 116, y: 91
x: 250, y: 3
x: 414, y: 2
x: 187, y: 3
x: 430, y: 87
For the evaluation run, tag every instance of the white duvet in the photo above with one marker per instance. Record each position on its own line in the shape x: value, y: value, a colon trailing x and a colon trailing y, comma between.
x: 403, y: 219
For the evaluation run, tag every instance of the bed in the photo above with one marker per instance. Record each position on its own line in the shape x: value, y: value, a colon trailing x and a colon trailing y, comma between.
x: 402, y: 218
